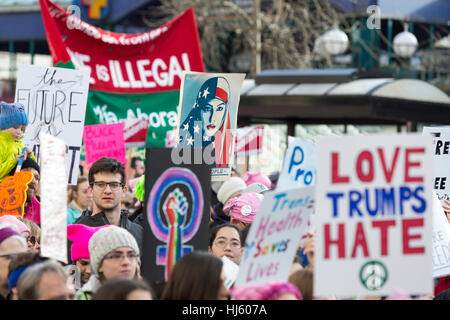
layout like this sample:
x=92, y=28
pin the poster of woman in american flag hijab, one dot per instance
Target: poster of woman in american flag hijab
x=207, y=116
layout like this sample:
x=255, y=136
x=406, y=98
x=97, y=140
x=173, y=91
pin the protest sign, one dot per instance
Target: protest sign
x=299, y=167
x=104, y=140
x=135, y=132
x=441, y=158
x=249, y=141
x=176, y=212
x=53, y=198
x=207, y=117
x=132, y=75
x=441, y=241
x=373, y=215
x=13, y=193
x=231, y=271
x=274, y=235
x=55, y=103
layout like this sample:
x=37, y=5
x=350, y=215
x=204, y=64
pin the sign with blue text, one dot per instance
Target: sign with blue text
x=299, y=167
x=274, y=236
x=373, y=215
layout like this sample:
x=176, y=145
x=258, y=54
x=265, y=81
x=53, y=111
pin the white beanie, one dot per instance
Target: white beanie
x=232, y=185
x=106, y=240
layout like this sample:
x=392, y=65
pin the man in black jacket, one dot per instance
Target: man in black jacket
x=107, y=184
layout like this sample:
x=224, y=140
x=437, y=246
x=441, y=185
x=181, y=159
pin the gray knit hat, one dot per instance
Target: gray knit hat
x=106, y=240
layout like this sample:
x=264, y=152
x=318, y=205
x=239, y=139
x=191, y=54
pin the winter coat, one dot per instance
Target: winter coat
x=9, y=149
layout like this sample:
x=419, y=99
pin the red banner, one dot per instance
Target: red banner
x=148, y=62
x=249, y=141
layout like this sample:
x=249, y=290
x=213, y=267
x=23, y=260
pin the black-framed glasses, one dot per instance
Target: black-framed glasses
x=120, y=255
x=31, y=239
x=222, y=243
x=114, y=185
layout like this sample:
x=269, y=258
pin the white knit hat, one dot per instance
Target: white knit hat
x=106, y=240
x=232, y=185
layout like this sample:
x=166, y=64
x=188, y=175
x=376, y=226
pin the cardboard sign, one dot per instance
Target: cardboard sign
x=373, y=215
x=441, y=149
x=13, y=193
x=104, y=140
x=299, y=167
x=207, y=117
x=441, y=241
x=274, y=235
x=249, y=141
x=176, y=212
x=55, y=102
x=53, y=198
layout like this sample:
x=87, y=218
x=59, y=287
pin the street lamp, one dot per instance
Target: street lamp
x=405, y=44
x=333, y=42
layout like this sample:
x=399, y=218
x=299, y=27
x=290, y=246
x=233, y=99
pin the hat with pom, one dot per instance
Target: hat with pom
x=253, y=177
x=11, y=115
x=244, y=208
x=80, y=235
x=108, y=239
x=232, y=185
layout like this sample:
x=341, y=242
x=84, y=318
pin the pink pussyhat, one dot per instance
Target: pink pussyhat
x=13, y=220
x=80, y=235
x=252, y=177
x=244, y=208
x=266, y=291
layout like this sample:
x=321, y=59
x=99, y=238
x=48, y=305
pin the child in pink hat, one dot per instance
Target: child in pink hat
x=80, y=235
x=253, y=177
x=242, y=209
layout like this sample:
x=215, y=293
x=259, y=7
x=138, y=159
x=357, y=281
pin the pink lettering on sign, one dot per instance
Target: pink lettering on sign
x=370, y=161
x=104, y=140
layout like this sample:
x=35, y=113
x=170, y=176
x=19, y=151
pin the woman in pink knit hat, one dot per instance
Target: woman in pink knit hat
x=242, y=209
x=275, y=290
x=257, y=177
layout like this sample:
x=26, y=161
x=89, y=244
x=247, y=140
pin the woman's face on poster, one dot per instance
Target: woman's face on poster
x=213, y=115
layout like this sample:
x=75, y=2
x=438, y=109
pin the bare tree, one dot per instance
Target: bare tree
x=228, y=31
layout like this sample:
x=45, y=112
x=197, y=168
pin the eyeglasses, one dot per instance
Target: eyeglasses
x=222, y=243
x=8, y=256
x=119, y=256
x=113, y=185
x=31, y=239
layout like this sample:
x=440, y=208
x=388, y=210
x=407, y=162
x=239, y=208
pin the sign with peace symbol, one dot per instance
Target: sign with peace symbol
x=373, y=275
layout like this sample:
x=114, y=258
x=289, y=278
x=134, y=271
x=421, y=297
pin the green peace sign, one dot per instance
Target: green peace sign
x=373, y=275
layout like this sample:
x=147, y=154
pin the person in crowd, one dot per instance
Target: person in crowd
x=206, y=283
x=107, y=184
x=80, y=235
x=79, y=199
x=443, y=295
x=124, y=289
x=21, y=227
x=242, y=209
x=32, y=205
x=257, y=177
x=303, y=280
x=307, y=252
x=13, y=123
x=273, y=290
x=11, y=244
x=34, y=240
x=233, y=187
x=127, y=203
x=19, y=263
x=225, y=240
x=139, y=193
x=113, y=253
x=45, y=281
x=137, y=168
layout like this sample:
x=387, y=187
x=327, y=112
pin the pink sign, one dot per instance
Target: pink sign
x=104, y=140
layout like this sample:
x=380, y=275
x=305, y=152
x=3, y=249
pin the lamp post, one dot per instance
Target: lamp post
x=405, y=44
x=331, y=43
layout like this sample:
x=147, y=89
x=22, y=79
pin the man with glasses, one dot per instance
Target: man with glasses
x=11, y=243
x=108, y=186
